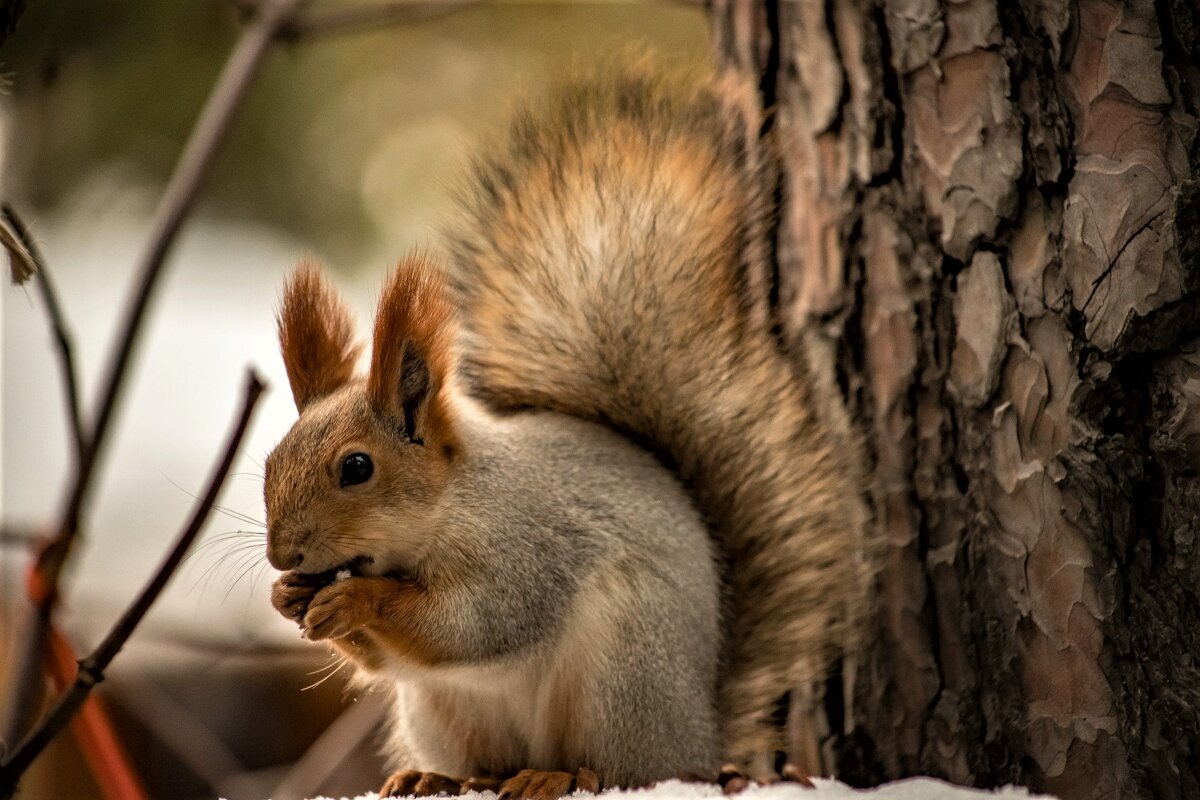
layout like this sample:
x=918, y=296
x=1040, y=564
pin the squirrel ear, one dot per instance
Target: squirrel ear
x=315, y=336
x=413, y=353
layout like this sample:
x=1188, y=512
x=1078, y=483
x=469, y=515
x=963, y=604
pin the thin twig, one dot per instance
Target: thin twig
x=367, y=16
x=62, y=336
x=91, y=669
x=178, y=198
x=20, y=262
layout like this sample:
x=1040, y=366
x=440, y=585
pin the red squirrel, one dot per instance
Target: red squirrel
x=581, y=517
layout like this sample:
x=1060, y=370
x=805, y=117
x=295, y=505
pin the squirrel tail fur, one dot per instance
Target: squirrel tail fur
x=609, y=266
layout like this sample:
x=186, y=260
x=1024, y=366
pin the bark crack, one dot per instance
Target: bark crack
x=768, y=89
x=1112, y=262
x=889, y=84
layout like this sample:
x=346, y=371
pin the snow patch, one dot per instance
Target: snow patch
x=826, y=789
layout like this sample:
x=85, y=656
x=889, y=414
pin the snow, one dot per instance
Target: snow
x=826, y=789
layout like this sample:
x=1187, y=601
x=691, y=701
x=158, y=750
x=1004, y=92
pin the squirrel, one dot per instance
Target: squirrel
x=584, y=517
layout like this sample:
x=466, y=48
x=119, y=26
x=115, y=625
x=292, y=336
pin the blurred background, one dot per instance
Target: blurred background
x=343, y=150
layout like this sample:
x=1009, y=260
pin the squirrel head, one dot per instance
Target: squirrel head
x=356, y=482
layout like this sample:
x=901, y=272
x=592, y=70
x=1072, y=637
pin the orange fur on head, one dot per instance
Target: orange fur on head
x=412, y=356
x=315, y=336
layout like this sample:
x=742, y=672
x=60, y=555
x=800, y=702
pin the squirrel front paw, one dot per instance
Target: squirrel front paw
x=338, y=610
x=291, y=595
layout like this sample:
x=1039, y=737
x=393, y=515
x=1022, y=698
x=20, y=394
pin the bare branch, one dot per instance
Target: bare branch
x=180, y=194
x=26, y=691
x=367, y=17
x=21, y=265
x=177, y=200
x=91, y=669
x=62, y=336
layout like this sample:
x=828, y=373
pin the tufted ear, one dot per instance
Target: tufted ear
x=315, y=336
x=413, y=354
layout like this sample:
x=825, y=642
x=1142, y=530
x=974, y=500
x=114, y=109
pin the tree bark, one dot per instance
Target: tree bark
x=989, y=212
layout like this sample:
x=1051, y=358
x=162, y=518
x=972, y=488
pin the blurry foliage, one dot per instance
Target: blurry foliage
x=347, y=141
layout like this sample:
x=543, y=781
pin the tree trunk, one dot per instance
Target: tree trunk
x=989, y=211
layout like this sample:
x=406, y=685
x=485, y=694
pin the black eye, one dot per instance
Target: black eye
x=357, y=468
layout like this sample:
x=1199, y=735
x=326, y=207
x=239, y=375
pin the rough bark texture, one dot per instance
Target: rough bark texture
x=991, y=208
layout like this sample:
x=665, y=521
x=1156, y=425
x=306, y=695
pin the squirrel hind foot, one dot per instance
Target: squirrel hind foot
x=415, y=783
x=532, y=784
x=488, y=784
x=734, y=780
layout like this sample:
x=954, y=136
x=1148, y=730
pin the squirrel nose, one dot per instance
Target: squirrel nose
x=284, y=556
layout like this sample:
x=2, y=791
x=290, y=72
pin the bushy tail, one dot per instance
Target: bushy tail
x=607, y=264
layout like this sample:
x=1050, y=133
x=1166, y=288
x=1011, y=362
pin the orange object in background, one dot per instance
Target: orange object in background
x=93, y=729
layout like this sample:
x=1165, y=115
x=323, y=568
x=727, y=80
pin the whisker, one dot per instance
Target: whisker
x=335, y=662
x=229, y=512
x=229, y=543
x=238, y=515
x=246, y=565
x=242, y=548
x=224, y=537
x=344, y=661
x=257, y=463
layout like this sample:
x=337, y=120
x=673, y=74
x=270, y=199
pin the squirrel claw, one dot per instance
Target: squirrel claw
x=481, y=785
x=420, y=784
x=796, y=774
x=587, y=781
x=734, y=780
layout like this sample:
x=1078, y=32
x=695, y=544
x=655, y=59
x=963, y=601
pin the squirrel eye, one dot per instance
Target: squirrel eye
x=356, y=468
